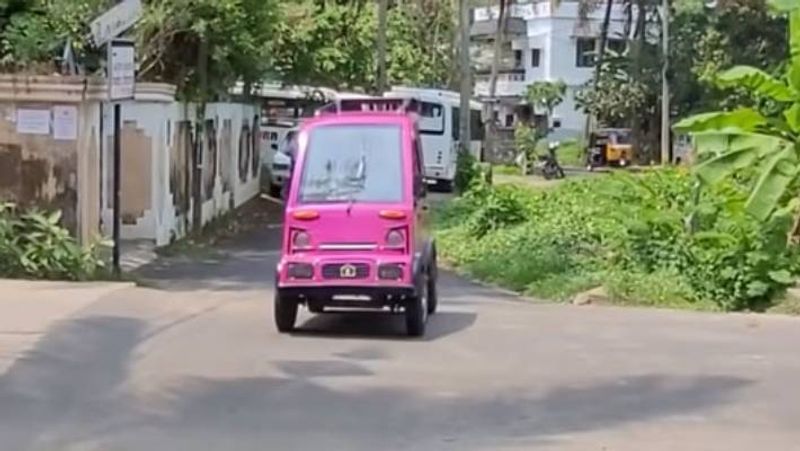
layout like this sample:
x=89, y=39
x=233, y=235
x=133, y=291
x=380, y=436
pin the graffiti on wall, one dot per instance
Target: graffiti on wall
x=209, y=158
x=179, y=166
x=255, y=154
x=245, y=151
x=225, y=155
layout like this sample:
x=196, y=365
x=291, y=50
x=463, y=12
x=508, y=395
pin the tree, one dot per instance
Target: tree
x=33, y=33
x=499, y=38
x=729, y=141
x=547, y=95
x=235, y=35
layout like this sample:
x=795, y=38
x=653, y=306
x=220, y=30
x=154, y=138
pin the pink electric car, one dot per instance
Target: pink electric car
x=355, y=231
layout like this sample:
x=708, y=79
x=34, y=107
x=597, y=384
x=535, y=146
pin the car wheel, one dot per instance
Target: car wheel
x=275, y=191
x=285, y=312
x=416, y=312
x=433, y=297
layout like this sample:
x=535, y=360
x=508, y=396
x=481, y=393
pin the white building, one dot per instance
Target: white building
x=542, y=44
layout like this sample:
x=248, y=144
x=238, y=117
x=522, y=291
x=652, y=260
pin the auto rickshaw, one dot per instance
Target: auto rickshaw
x=609, y=147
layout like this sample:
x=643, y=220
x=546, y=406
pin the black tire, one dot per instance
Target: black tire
x=433, y=294
x=275, y=191
x=561, y=174
x=285, y=313
x=444, y=186
x=416, y=312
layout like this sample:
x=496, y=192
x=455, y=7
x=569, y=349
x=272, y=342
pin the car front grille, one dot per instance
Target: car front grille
x=353, y=271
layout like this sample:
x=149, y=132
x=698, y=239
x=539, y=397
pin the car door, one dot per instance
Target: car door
x=422, y=224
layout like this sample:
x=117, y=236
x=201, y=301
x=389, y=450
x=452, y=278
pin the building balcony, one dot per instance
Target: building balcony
x=487, y=29
x=506, y=86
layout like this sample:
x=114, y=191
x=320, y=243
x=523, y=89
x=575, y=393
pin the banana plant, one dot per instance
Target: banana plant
x=728, y=141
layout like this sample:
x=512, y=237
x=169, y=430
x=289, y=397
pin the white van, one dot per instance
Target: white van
x=439, y=126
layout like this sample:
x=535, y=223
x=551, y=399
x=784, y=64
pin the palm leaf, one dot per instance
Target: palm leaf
x=777, y=173
x=757, y=81
x=737, y=152
x=737, y=121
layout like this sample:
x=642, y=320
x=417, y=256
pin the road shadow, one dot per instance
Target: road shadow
x=382, y=325
x=299, y=412
x=68, y=383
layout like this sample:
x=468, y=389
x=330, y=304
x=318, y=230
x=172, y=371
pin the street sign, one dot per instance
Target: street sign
x=115, y=21
x=121, y=70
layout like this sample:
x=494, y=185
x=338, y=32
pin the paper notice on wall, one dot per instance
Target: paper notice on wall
x=65, y=123
x=33, y=122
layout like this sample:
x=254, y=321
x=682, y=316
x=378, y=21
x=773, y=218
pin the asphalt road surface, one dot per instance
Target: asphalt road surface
x=194, y=363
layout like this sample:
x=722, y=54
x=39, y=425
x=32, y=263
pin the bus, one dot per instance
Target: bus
x=439, y=126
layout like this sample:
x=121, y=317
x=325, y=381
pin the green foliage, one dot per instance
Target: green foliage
x=33, y=244
x=467, y=172
x=526, y=140
x=34, y=32
x=730, y=141
x=333, y=43
x=236, y=36
x=497, y=208
x=546, y=94
x=651, y=239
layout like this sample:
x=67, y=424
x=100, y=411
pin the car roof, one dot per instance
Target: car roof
x=360, y=117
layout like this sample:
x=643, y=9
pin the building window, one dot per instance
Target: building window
x=536, y=56
x=517, y=58
x=585, y=49
x=617, y=46
x=509, y=120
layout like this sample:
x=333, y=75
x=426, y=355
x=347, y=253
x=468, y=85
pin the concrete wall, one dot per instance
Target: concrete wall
x=159, y=139
x=48, y=161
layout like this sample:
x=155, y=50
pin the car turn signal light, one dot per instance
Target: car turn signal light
x=305, y=215
x=392, y=214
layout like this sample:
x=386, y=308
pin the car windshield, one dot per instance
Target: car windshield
x=353, y=163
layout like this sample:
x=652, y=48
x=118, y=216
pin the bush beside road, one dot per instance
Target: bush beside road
x=650, y=239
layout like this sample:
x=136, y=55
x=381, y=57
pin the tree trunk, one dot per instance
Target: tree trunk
x=601, y=53
x=383, y=6
x=638, y=74
x=499, y=36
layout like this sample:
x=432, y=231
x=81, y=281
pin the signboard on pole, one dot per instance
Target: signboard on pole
x=121, y=70
x=115, y=21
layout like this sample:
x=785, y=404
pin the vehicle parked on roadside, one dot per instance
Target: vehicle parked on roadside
x=355, y=230
x=439, y=126
x=609, y=147
x=548, y=164
x=282, y=163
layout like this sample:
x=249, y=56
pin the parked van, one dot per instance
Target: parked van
x=439, y=127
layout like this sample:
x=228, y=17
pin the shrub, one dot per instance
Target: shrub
x=467, y=171
x=34, y=244
x=651, y=239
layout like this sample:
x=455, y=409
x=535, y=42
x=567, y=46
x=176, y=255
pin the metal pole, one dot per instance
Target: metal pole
x=665, y=129
x=117, y=186
x=466, y=79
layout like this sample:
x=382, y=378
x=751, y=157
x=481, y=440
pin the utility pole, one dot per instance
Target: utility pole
x=665, y=107
x=466, y=76
x=383, y=7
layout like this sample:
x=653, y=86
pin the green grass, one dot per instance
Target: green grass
x=623, y=232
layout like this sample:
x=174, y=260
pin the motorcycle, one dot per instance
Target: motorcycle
x=548, y=164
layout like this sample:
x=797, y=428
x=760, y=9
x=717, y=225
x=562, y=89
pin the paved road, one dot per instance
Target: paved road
x=194, y=363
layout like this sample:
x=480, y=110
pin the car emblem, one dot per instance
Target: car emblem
x=347, y=271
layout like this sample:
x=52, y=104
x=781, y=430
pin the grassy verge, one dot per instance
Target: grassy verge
x=629, y=234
